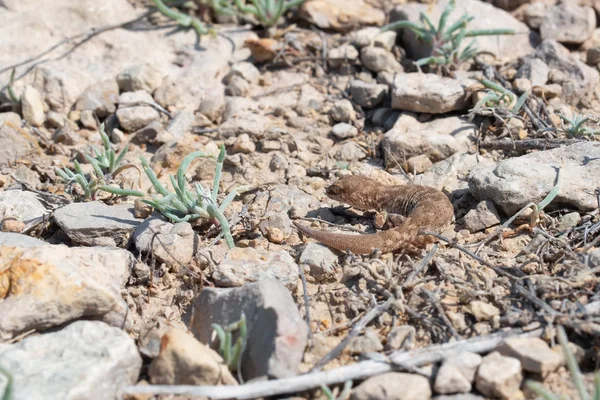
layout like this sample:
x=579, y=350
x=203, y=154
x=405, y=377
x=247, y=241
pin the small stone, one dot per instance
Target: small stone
x=569, y=220
x=568, y=23
x=347, y=151
x=548, y=91
x=132, y=114
x=499, y=376
x=243, y=144
x=173, y=244
x=341, y=15
x=534, y=14
x=534, y=354
x=32, y=106
x=21, y=205
x=321, y=261
x=100, y=98
x=117, y=136
x=237, y=86
x=19, y=240
x=483, y=216
x=244, y=265
x=245, y=70
x=457, y=373
x=401, y=337
x=385, y=40
x=87, y=119
x=535, y=70
x=393, y=386
x=523, y=85
x=273, y=323
x=73, y=362
x=83, y=222
x=367, y=94
x=139, y=77
x=418, y=164
x=593, y=56
x=483, y=311
x=181, y=125
x=12, y=225
x=428, y=93
x=343, y=131
x=342, y=111
x=343, y=55
x=364, y=37
x=378, y=59
x=55, y=119
x=141, y=271
x=366, y=343
x=185, y=361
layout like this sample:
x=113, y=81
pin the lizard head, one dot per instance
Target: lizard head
x=356, y=190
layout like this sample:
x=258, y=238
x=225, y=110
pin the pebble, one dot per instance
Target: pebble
x=569, y=220
x=343, y=55
x=534, y=354
x=378, y=59
x=365, y=343
x=367, y=94
x=321, y=261
x=483, y=216
x=32, y=106
x=343, y=131
x=183, y=360
x=393, y=386
x=273, y=323
x=243, y=144
x=457, y=373
x=100, y=97
x=140, y=77
x=483, y=311
x=134, y=117
x=428, y=93
x=568, y=23
x=245, y=70
x=499, y=376
x=535, y=70
x=418, y=164
x=342, y=111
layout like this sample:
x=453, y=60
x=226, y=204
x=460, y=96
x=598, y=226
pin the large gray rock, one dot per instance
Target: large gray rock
x=428, y=93
x=513, y=183
x=438, y=138
x=393, y=386
x=568, y=23
x=45, y=286
x=92, y=222
x=85, y=360
x=19, y=240
x=486, y=17
x=277, y=335
x=22, y=205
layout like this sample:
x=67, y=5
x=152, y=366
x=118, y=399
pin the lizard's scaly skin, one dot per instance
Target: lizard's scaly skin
x=426, y=209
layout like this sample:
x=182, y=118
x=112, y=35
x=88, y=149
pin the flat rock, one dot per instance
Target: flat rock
x=428, y=93
x=438, y=138
x=513, y=183
x=85, y=223
x=367, y=94
x=393, y=386
x=568, y=23
x=277, y=335
x=131, y=114
x=486, y=17
x=185, y=361
x=483, y=216
x=534, y=354
x=22, y=205
x=45, y=286
x=244, y=265
x=15, y=142
x=173, y=244
x=341, y=15
x=140, y=77
x=499, y=376
x=84, y=360
x=19, y=240
x=457, y=373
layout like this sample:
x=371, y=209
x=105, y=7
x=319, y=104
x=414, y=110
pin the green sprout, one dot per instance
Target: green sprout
x=182, y=19
x=185, y=205
x=576, y=374
x=343, y=395
x=106, y=166
x=446, y=41
x=9, y=385
x=577, y=128
x=232, y=353
x=267, y=12
x=498, y=96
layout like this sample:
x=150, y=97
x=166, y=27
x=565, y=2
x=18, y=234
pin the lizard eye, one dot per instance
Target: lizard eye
x=334, y=190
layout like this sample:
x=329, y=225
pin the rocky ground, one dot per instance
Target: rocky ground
x=103, y=297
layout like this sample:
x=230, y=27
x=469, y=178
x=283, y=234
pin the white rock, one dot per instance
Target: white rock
x=393, y=386
x=428, y=93
x=32, y=106
x=534, y=354
x=499, y=376
x=568, y=23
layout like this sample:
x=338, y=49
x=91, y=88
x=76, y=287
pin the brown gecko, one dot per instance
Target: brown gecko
x=410, y=209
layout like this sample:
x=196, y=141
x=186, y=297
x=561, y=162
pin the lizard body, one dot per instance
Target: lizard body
x=424, y=208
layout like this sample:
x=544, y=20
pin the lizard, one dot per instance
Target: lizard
x=410, y=209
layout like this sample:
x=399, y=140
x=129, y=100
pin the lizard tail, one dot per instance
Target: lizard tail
x=385, y=241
